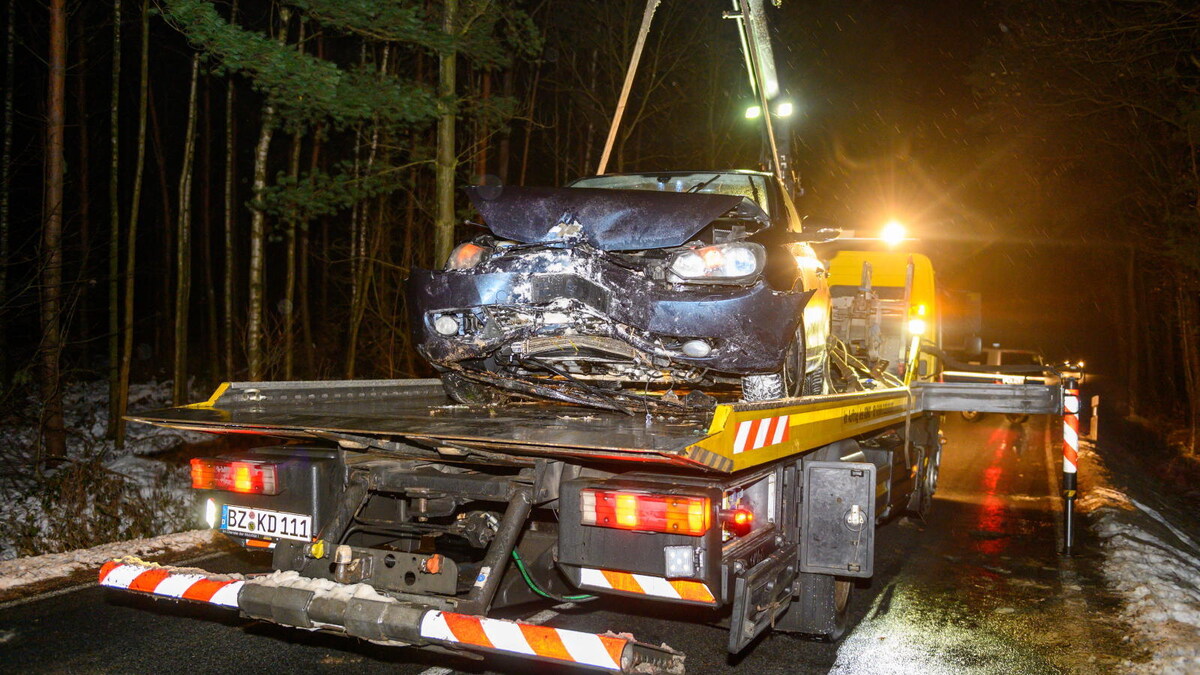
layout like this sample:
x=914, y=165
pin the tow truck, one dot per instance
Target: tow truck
x=393, y=514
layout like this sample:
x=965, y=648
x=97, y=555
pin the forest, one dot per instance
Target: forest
x=210, y=190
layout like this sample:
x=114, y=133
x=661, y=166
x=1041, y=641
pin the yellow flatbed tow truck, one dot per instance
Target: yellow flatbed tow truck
x=395, y=515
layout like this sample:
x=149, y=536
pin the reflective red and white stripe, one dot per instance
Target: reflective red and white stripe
x=162, y=581
x=1070, y=431
x=645, y=584
x=755, y=434
x=558, y=644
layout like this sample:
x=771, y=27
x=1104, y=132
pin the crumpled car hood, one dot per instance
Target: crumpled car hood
x=610, y=220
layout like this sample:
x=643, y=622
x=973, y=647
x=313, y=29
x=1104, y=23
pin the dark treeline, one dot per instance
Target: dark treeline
x=203, y=190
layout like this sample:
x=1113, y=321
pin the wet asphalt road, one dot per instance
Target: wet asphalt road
x=978, y=588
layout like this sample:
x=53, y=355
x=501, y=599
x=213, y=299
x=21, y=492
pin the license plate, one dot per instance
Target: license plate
x=264, y=523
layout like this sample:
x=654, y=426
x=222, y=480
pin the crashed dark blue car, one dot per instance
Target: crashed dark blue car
x=622, y=291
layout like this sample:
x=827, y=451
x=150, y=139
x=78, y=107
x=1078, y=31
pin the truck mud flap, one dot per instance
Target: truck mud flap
x=358, y=610
x=760, y=596
x=838, y=519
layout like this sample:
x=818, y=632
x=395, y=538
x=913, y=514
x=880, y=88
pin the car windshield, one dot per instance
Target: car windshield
x=751, y=186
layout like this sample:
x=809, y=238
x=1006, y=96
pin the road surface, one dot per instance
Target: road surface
x=978, y=588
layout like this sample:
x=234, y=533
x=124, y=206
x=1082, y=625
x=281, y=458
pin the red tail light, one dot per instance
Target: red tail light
x=737, y=521
x=673, y=514
x=245, y=476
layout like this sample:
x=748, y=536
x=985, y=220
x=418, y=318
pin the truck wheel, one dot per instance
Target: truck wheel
x=470, y=392
x=821, y=611
x=1016, y=419
x=972, y=415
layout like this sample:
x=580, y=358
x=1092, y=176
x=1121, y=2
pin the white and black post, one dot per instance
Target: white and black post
x=1070, y=461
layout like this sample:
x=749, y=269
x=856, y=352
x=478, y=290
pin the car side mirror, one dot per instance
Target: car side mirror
x=816, y=236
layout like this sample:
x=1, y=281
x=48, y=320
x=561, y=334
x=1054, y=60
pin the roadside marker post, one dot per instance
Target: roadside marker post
x=1070, y=461
x=1094, y=421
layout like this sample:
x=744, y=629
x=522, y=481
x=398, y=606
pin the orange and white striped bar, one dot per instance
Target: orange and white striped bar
x=645, y=584
x=755, y=434
x=1071, y=431
x=150, y=578
x=606, y=652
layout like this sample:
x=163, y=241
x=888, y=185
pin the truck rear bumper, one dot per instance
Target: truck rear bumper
x=359, y=611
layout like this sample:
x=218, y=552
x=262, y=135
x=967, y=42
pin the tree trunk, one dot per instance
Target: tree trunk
x=258, y=243
x=1131, y=321
x=230, y=220
x=306, y=333
x=5, y=184
x=289, y=286
x=481, y=158
x=446, y=158
x=206, y=250
x=183, y=246
x=85, y=203
x=255, y=297
x=1188, y=337
x=53, y=435
x=131, y=234
x=162, y=328
x=114, y=228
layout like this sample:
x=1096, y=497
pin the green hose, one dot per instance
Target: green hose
x=537, y=589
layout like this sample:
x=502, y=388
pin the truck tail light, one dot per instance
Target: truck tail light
x=737, y=521
x=244, y=476
x=673, y=514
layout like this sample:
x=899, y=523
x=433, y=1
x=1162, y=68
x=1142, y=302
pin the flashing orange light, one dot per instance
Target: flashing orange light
x=673, y=514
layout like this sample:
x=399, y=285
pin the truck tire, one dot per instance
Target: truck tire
x=470, y=392
x=821, y=610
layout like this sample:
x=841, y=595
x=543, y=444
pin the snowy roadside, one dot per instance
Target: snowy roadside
x=100, y=494
x=37, y=570
x=1152, y=563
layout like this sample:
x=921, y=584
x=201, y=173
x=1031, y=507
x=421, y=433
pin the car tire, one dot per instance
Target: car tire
x=972, y=415
x=469, y=392
x=1015, y=418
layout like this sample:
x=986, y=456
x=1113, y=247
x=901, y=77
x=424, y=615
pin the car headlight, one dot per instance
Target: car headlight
x=465, y=256
x=722, y=262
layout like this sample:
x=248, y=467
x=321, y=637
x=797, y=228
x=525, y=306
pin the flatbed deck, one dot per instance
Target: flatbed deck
x=730, y=438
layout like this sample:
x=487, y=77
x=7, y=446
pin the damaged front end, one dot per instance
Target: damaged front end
x=599, y=296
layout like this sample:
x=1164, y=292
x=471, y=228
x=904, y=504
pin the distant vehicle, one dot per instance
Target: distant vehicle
x=1071, y=370
x=1001, y=359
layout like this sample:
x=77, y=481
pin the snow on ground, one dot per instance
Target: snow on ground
x=36, y=569
x=100, y=494
x=1155, y=566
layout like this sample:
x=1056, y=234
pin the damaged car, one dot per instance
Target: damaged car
x=630, y=291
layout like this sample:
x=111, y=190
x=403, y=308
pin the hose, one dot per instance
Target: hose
x=537, y=589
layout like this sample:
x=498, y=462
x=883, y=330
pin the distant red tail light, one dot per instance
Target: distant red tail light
x=673, y=514
x=244, y=476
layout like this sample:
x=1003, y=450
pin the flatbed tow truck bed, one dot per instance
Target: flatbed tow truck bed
x=728, y=439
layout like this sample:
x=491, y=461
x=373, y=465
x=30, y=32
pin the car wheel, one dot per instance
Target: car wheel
x=972, y=415
x=470, y=392
x=1016, y=419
